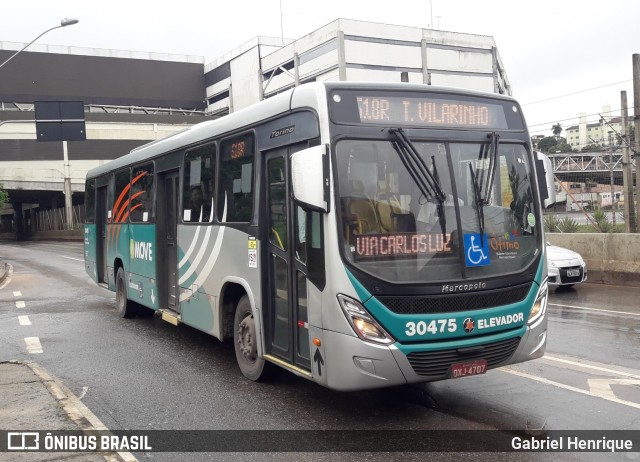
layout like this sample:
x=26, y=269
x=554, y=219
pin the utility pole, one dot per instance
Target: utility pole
x=636, y=123
x=611, y=164
x=627, y=170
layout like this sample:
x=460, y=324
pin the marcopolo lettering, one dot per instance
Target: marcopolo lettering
x=447, y=288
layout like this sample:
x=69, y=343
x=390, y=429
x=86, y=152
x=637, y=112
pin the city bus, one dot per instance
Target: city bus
x=359, y=235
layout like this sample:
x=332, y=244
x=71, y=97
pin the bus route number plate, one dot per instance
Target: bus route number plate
x=465, y=369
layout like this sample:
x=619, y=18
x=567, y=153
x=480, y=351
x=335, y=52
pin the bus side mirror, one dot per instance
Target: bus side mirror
x=310, y=178
x=546, y=182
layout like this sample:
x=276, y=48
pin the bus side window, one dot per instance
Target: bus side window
x=314, y=237
x=120, y=212
x=90, y=202
x=197, y=184
x=235, y=182
x=142, y=194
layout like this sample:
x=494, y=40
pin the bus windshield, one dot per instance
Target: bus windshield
x=402, y=232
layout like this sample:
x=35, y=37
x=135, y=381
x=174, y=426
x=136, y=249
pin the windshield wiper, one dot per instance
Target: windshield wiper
x=477, y=199
x=483, y=182
x=428, y=182
x=441, y=215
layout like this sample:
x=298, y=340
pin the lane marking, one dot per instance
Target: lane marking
x=33, y=345
x=24, y=320
x=595, y=394
x=71, y=258
x=17, y=293
x=20, y=304
x=84, y=392
x=589, y=366
x=603, y=386
x=595, y=309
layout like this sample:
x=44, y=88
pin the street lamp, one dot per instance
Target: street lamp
x=64, y=23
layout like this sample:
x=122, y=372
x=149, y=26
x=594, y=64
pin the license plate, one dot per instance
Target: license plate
x=573, y=273
x=466, y=369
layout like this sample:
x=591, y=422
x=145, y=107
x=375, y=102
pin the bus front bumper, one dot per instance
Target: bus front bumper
x=352, y=364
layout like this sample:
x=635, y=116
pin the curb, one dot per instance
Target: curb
x=3, y=271
x=75, y=409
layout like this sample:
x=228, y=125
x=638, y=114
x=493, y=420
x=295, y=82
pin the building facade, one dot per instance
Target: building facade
x=349, y=50
x=605, y=133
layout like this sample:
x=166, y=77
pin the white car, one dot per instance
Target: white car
x=565, y=266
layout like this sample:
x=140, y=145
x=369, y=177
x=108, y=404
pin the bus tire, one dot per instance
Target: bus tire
x=125, y=307
x=245, y=343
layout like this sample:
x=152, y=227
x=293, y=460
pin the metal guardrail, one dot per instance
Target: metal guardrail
x=110, y=109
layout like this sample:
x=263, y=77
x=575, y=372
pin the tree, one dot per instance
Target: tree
x=591, y=148
x=4, y=196
x=547, y=144
x=563, y=147
x=556, y=129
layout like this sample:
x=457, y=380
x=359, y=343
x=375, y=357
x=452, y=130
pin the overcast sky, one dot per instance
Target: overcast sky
x=549, y=48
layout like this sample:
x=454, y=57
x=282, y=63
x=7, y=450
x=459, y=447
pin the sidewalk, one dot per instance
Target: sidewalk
x=34, y=400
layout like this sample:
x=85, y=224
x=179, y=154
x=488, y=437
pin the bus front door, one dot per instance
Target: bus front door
x=166, y=240
x=287, y=335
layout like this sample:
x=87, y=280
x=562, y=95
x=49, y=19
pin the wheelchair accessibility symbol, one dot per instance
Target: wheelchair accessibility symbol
x=476, y=250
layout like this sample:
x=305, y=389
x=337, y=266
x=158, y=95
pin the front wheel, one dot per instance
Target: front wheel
x=246, y=346
x=126, y=308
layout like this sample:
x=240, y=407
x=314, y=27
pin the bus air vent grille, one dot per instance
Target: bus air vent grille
x=452, y=303
x=437, y=363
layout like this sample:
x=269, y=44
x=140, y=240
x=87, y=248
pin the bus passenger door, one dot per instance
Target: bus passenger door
x=101, y=233
x=285, y=319
x=166, y=240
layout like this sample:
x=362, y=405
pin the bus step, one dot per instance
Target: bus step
x=171, y=318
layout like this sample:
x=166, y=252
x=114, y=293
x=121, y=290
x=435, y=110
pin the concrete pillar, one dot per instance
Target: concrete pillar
x=19, y=220
x=342, y=59
x=68, y=203
x=426, y=76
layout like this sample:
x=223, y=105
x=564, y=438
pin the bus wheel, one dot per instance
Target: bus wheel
x=245, y=341
x=126, y=308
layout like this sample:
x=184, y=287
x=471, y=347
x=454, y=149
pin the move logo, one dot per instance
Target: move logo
x=141, y=250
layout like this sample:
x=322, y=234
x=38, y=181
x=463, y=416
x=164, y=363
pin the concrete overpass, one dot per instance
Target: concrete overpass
x=596, y=166
x=37, y=176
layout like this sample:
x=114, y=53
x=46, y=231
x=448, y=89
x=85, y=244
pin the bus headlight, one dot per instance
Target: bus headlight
x=362, y=322
x=540, y=306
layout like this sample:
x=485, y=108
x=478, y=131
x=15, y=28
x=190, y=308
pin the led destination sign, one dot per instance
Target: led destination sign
x=400, y=245
x=426, y=111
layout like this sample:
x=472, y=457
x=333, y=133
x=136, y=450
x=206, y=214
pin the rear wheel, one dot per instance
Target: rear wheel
x=246, y=344
x=125, y=307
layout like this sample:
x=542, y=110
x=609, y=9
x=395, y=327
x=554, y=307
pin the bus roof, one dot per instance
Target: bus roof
x=306, y=95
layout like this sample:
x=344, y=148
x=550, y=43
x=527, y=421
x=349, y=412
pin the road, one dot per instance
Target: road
x=147, y=374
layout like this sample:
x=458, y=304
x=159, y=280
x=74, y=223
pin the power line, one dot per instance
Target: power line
x=576, y=92
x=552, y=122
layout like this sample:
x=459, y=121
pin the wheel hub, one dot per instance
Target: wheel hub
x=247, y=337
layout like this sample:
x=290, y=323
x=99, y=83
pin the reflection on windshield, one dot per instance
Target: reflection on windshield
x=394, y=231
